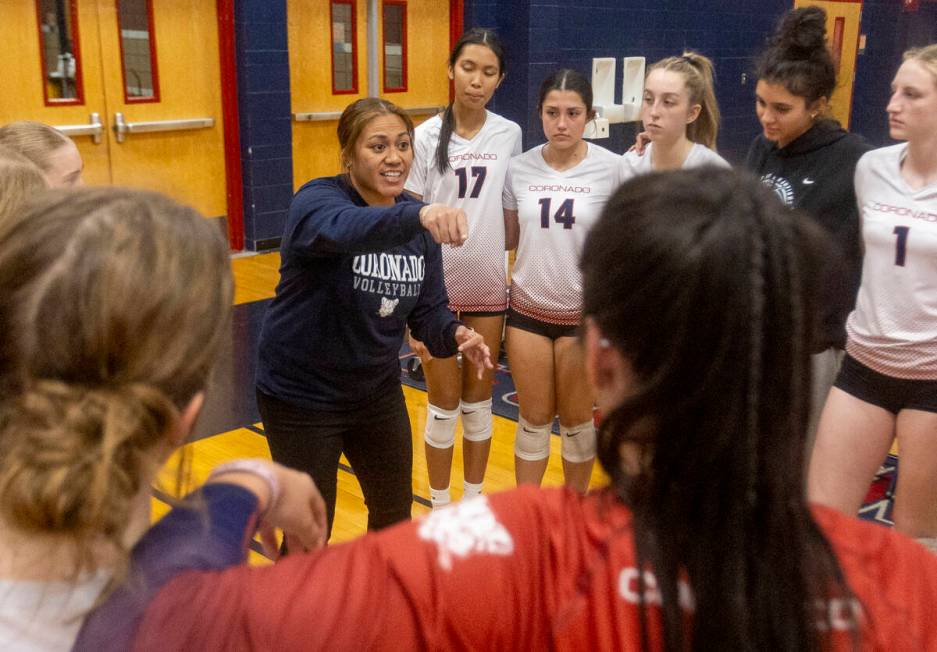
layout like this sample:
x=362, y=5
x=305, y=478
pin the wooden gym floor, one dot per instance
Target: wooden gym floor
x=229, y=427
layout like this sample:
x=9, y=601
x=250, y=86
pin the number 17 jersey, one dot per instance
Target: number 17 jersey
x=475, y=273
x=555, y=210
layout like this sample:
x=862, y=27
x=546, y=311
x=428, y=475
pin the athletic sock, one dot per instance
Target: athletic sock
x=439, y=497
x=470, y=490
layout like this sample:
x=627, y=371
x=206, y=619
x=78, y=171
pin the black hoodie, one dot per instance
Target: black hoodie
x=815, y=173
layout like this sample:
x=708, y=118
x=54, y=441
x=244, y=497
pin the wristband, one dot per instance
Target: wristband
x=253, y=467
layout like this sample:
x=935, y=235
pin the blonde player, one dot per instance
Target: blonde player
x=887, y=386
x=554, y=193
x=461, y=159
x=680, y=117
x=54, y=153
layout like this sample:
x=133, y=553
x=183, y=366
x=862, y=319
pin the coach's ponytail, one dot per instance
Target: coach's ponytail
x=475, y=36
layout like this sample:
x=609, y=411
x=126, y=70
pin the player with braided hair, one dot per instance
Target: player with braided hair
x=704, y=539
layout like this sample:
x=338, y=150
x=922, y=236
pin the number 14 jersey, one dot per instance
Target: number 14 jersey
x=555, y=211
x=893, y=329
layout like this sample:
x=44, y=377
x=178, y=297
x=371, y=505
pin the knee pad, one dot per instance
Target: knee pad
x=578, y=442
x=532, y=443
x=440, y=427
x=476, y=420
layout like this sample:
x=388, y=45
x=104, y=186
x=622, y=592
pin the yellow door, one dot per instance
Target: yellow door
x=25, y=87
x=166, y=142
x=843, y=18
x=187, y=160
x=320, y=30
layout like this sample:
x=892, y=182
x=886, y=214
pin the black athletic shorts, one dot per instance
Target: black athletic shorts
x=478, y=313
x=537, y=327
x=888, y=393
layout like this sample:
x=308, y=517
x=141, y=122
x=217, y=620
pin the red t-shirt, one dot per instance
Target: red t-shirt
x=503, y=572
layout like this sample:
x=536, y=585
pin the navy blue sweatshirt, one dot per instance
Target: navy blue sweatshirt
x=352, y=277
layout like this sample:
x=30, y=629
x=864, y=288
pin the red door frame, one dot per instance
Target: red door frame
x=234, y=189
x=456, y=27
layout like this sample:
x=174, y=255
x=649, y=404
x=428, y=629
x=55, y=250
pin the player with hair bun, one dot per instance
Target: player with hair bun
x=887, y=387
x=808, y=159
x=460, y=159
x=554, y=194
x=102, y=377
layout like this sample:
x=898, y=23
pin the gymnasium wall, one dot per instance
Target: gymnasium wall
x=543, y=35
x=889, y=31
x=550, y=36
x=265, y=122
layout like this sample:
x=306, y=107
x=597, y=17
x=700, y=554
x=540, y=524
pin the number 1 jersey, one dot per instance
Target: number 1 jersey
x=893, y=329
x=475, y=273
x=555, y=211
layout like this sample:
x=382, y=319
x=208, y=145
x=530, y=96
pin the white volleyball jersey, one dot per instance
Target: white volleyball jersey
x=893, y=329
x=634, y=164
x=555, y=211
x=475, y=273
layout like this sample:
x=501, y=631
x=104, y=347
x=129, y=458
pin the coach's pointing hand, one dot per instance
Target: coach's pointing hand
x=446, y=225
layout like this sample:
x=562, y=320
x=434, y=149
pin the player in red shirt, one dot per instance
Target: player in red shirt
x=700, y=298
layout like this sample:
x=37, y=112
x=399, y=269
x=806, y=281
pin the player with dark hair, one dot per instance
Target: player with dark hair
x=703, y=540
x=554, y=193
x=809, y=160
x=461, y=159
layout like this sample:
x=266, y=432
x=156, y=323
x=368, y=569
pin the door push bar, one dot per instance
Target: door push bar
x=94, y=128
x=122, y=127
x=335, y=115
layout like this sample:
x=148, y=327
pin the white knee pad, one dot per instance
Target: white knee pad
x=532, y=443
x=476, y=420
x=440, y=427
x=578, y=442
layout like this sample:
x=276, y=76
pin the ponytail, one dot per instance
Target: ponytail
x=445, y=133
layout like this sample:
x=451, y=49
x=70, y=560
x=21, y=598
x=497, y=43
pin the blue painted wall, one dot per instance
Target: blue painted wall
x=266, y=132
x=543, y=35
x=889, y=32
